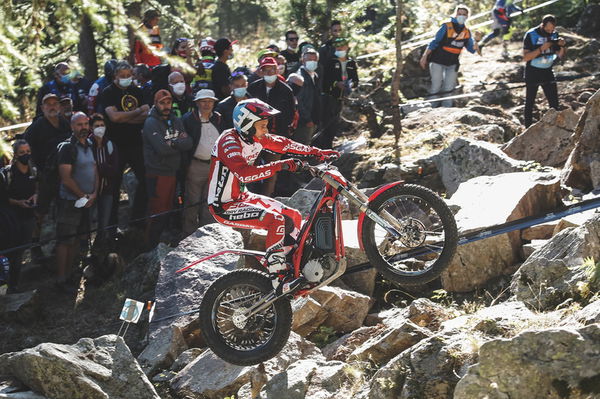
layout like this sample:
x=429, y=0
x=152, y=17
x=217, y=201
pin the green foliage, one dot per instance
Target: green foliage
x=323, y=336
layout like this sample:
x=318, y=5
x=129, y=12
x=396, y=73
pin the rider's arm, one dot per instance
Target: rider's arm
x=283, y=145
x=231, y=156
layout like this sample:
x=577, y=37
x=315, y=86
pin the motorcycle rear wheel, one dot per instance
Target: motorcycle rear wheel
x=248, y=342
x=428, y=237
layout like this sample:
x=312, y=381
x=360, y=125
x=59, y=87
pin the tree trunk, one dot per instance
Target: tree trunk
x=87, y=49
x=396, y=114
x=134, y=11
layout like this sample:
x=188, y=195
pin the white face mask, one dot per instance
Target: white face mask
x=125, y=82
x=311, y=65
x=340, y=53
x=178, y=88
x=461, y=19
x=99, y=131
x=270, y=78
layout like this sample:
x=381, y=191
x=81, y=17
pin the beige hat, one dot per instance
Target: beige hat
x=205, y=93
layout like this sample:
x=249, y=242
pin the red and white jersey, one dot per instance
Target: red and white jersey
x=232, y=163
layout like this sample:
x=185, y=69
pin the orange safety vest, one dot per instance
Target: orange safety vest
x=455, y=42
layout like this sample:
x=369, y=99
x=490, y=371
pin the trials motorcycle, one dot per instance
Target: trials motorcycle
x=407, y=232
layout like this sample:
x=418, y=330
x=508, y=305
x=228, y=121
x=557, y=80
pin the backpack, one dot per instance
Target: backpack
x=51, y=176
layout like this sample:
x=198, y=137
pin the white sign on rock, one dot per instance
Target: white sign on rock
x=132, y=310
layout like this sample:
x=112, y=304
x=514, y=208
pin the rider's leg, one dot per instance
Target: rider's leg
x=259, y=212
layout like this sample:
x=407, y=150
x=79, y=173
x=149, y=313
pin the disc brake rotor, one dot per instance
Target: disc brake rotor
x=413, y=233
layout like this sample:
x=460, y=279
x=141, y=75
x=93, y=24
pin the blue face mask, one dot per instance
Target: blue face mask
x=340, y=54
x=311, y=65
x=461, y=19
x=66, y=79
x=125, y=82
x=239, y=92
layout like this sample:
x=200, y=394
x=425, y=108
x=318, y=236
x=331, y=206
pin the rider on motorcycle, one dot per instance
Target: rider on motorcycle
x=232, y=167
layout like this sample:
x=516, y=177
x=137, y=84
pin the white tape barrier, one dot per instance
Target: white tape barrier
x=13, y=127
x=431, y=35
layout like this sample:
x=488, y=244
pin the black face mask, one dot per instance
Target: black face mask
x=24, y=159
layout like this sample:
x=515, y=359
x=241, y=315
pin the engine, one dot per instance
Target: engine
x=320, y=269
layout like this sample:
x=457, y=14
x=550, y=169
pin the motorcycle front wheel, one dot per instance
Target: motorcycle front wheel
x=237, y=340
x=424, y=238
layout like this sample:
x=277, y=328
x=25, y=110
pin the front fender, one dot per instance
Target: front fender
x=376, y=193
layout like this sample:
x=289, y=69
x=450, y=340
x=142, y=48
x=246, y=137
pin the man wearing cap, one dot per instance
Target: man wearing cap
x=66, y=107
x=60, y=85
x=77, y=193
x=291, y=55
x=239, y=92
x=165, y=142
x=339, y=78
x=43, y=136
x=221, y=71
x=203, y=126
x=278, y=95
x=327, y=50
x=261, y=54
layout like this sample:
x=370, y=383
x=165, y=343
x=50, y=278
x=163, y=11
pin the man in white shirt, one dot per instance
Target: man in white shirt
x=203, y=125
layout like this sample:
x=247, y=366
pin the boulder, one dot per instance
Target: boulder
x=362, y=282
x=554, y=363
x=490, y=133
x=181, y=293
x=505, y=319
x=465, y=159
x=589, y=21
x=474, y=116
x=534, y=245
x=208, y=376
x=589, y=314
x=162, y=350
x=425, y=313
x=487, y=201
x=389, y=343
x=92, y=368
x=542, y=231
x=23, y=307
x=559, y=270
x=429, y=369
x=341, y=348
x=311, y=379
x=141, y=274
x=302, y=200
x=582, y=169
x=548, y=141
x=333, y=307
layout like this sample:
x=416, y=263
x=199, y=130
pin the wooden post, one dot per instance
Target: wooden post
x=396, y=114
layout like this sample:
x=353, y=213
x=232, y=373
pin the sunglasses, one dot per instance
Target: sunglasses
x=293, y=39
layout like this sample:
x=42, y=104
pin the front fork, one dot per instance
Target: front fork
x=385, y=220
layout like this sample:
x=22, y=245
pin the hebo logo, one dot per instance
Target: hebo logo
x=244, y=115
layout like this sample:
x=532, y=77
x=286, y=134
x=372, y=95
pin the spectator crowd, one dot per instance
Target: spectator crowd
x=159, y=117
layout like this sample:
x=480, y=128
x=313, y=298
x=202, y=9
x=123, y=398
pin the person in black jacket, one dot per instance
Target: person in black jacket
x=309, y=98
x=340, y=77
x=278, y=95
x=239, y=90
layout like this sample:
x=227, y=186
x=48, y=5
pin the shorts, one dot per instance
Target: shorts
x=71, y=222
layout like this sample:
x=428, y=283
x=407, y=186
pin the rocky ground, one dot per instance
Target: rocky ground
x=514, y=316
